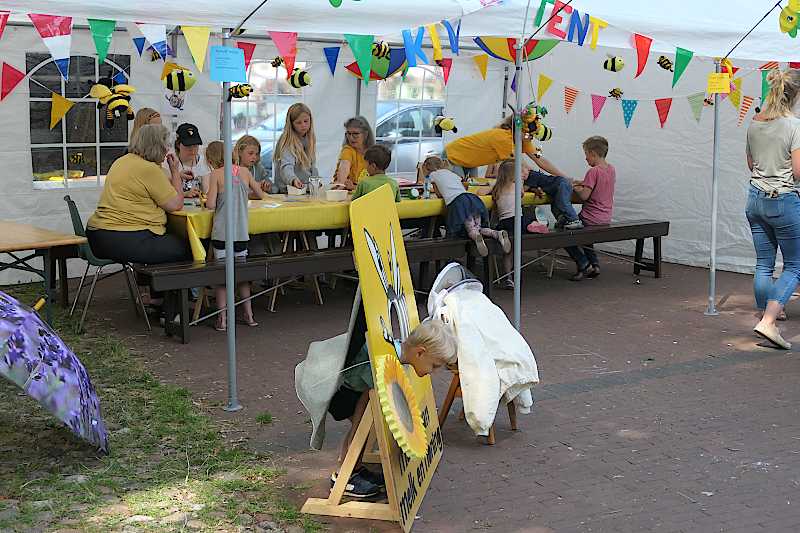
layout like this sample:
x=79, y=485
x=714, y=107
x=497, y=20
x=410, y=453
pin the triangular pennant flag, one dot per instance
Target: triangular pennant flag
x=682, y=58
x=598, y=101
x=197, y=39
x=120, y=78
x=770, y=65
x=446, y=64
x=570, y=94
x=662, y=106
x=361, y=47
x=453, y=35
x=736, y=93
x=794, y=64
x=514, y=83
x=332, y=55
x=3, y=20
x=56, y=32
x=139, y=43
x=482, y=62
x=747, y=101
x=156, y=35
x=286, y=43
x=628, y=107
x=764, y=85
x=436, y=43
x=248, y=49
x=59, y=107
x=697, y=104
x=102, y=31
x=544, y=84
x=642, y=44
x=10, y=79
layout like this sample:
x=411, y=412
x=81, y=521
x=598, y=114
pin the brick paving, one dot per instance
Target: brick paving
x=650, y=416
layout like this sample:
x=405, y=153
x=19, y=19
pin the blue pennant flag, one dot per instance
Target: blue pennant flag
x=332, y=55
x=139, y=42
x=120, y=77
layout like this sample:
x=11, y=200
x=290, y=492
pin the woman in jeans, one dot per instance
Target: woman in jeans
x=773, y=204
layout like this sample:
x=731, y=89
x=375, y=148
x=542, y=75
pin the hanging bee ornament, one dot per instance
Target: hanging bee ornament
x=708, y=102
x=614, y=63
x=543, y=133
x=616, y=92
x=242, y=90
x=299, y=79
x=116, y=99
x=665, y=63
x=277, y=62
x=381, y=49
x=76, y=158
x=789, y=18
x=178, y=80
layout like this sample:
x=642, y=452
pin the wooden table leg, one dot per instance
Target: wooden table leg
x=64, y=280
x=512, y=415
x=49, y=282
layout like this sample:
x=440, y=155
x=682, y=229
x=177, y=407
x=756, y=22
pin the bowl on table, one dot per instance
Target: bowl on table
x=294, y=191
x=336, y=195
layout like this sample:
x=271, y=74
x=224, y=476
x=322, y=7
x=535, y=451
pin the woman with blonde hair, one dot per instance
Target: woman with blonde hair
x=295, y=151
x=352, y=166
x=773, y=205
x=247, y=153
x=146, y=115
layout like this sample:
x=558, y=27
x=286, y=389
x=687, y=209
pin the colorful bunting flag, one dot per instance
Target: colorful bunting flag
x=286, y=43
x=598, y=101
x=642, y=44
x=482, y=62
x=662, y=106
x=446, y=64
x=628, y=107
x=453, y=35
x=747, y=101
x=156, y=35
x=10, y=79
x=570, y=95
x=197, y=39
x=102, y=31
x=120, y=77
x=56, y=32
x=332, y=55
x=736, y=93
x=770, y=65
x=139, y=43
x=544, y=84
x=3, y=20
x=58, y=108
x=764, y=84
x=514, y=83
x=436, y=43
x=248, y=49
x=794, y=64
x=682, y=58
x=696, y=102
x=414, y=47
x=361, y=47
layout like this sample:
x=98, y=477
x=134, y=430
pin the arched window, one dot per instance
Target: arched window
x=78, y=148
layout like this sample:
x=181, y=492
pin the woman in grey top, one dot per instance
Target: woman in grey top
x=773, y=204
x=295, y=152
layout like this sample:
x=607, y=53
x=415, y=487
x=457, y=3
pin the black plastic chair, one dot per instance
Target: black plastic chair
x=85, y=253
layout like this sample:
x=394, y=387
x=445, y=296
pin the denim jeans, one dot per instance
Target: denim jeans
x=583, y=256
x=558, y=188
x=774, y=223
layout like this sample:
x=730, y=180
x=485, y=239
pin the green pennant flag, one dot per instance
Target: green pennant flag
x=102, y=30
x=361, y=46
x=696, y=103
x=682, y=58
x=764, y=85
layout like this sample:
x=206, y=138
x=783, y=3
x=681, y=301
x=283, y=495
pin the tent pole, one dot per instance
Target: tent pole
x=230, y=284
x=711, y=310
x=518, y=189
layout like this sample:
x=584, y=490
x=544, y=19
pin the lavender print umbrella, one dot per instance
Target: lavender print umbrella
x=36, y=359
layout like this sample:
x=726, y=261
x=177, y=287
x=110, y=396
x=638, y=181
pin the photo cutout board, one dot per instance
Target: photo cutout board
x=406, y=415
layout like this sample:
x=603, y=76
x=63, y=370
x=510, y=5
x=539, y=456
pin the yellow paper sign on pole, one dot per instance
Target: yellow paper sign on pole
x=719, y=83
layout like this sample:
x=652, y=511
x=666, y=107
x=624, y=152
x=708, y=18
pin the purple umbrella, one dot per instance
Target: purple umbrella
x=38, y=361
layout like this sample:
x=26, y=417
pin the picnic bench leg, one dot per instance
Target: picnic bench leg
x=62, y=276
x=512, y=415
x=169, y=312
x=184, y=296
x=452, y=392
x=637, y=258
x=657, y=256
x=487, y=276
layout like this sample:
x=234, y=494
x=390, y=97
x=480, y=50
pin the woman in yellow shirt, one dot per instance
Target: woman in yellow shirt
x=352, y=167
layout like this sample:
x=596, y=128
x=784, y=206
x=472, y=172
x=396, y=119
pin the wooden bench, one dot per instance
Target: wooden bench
x=638, y=230
x=176, y=279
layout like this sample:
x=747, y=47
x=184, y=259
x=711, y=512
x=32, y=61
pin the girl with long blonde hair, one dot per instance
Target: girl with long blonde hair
x=295, y=152
x=146, y=115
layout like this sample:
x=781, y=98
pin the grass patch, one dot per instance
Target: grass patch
x=264, y=418
x=169, y=468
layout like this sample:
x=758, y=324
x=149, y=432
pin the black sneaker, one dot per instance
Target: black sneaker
x=358, y=487
x=373, y=477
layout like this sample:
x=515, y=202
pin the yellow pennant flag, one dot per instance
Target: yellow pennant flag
x=544, y=84
x=482, y=62
x=736, y=95
x=59, y=107
x=435, y=42
x=197, y=39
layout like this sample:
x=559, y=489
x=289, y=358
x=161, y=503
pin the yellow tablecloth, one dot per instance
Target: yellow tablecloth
x=281, y=213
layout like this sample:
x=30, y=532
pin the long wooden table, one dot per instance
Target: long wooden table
x=51, y=246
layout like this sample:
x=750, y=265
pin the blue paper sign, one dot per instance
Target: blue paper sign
x=227, y=64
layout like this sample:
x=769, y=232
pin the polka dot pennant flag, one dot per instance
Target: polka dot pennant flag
x=628, y=107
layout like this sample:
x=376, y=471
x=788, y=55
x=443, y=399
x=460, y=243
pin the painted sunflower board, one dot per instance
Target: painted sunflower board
x=391, y=314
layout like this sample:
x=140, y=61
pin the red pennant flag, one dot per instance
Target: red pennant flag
x=570, y=95
x=248, y=49
x=3, y=19
x=446, y=64
x=10, y=79
x=663, y=105
x=642, y=44
x=286, y=43
x=794, y=64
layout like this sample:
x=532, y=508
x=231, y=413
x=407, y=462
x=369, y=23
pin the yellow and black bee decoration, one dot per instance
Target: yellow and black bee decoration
x=665, y=63
x=76, y=158
x=616, y=92
x=179, y=80
x=242, y=90
x=154, y=55
x=543, y=133
x=381, y=49
x=277, y=62
x=299, y=79
x=614, y=63
x=708, y=102
x=116, y=99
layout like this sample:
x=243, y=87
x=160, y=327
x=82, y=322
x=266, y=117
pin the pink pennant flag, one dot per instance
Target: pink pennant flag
x=3, y=20
x=11, y=78
x=598, y=101
x=56, y=32
x=248, y=49
x=286, y=43
x=570, y=94
x=662, y=106
x=747, y=101
x=446, y=64
x=642, y=44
